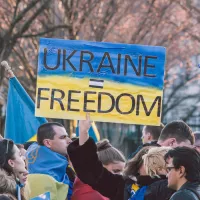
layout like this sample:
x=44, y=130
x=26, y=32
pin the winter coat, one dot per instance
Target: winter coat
x=188, y=191
x=152, y=189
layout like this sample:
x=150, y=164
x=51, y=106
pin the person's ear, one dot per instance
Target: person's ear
x=11, y=163
x=182, y=171
x=47, y=143
x=172, y=142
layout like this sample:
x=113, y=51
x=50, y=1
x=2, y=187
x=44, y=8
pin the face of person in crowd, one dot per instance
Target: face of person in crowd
x=116, y=167
x=18, y=163
x=175, y=176
x=60, y=141
x=146, y=137
x=172, y=142
x=22, y=176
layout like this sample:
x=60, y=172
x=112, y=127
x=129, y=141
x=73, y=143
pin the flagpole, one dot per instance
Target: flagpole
x=9, y=72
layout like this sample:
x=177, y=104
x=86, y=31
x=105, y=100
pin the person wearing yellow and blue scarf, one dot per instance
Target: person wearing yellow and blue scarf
x=48, y=167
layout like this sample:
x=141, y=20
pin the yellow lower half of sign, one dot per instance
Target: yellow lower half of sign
x=70, y=98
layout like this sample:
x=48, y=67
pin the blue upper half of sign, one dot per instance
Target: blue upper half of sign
x=138, y=65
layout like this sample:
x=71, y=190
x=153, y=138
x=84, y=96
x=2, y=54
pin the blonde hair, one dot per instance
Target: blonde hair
x=154, y=160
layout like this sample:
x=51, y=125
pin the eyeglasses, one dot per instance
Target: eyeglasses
x=169, y=169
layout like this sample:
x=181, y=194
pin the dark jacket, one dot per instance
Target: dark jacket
x=189, y=191
x=91, y=171
x=158, y=190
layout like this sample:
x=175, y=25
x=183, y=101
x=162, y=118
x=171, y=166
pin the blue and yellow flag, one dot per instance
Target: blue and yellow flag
x=45, y=196
x=21, y=124
x=49, y=174
x=93, y=132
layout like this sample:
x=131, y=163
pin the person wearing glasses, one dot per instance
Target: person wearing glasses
x=153, y=185
x=11, y=164
x=183, y=173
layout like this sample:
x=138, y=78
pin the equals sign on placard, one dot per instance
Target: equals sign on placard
x=96, y=83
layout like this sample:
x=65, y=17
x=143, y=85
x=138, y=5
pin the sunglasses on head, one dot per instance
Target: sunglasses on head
x=7, y=142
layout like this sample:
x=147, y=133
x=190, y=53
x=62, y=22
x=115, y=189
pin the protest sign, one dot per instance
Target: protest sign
x=121, y=83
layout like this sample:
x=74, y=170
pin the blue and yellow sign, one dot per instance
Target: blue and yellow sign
x=121, y=83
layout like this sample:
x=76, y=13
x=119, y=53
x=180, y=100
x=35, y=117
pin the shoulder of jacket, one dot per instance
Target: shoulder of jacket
x=184, y=194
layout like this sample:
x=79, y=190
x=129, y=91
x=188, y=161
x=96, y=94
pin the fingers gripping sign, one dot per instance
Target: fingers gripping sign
x=84, y=126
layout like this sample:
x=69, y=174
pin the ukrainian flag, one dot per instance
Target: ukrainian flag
x=21, y=124
x=49, y=174
x=93, y=132
x=45, y=196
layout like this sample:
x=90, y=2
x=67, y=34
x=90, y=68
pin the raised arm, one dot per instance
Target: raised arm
x=89, y=169
x=84, y=126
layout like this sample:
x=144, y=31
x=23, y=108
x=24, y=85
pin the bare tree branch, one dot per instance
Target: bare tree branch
x=44, y=32
x=30, y=20
x=15, y=11
x=22, y=14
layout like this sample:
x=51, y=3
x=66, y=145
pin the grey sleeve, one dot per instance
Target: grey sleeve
x=184, y=195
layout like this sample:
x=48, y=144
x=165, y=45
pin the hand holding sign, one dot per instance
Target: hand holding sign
x=84, y=126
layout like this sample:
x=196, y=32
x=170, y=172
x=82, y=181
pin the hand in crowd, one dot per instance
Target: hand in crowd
x=84, y=126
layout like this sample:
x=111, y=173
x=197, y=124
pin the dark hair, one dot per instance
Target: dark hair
x=134, y=164
x=155, y=131
x=6, y=153
x=107, y=153
x=188, y=158
x=179, y=130
x=28, y=144
x=46, y=131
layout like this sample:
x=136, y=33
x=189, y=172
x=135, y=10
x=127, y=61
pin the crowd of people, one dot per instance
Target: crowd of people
x=165, y=167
